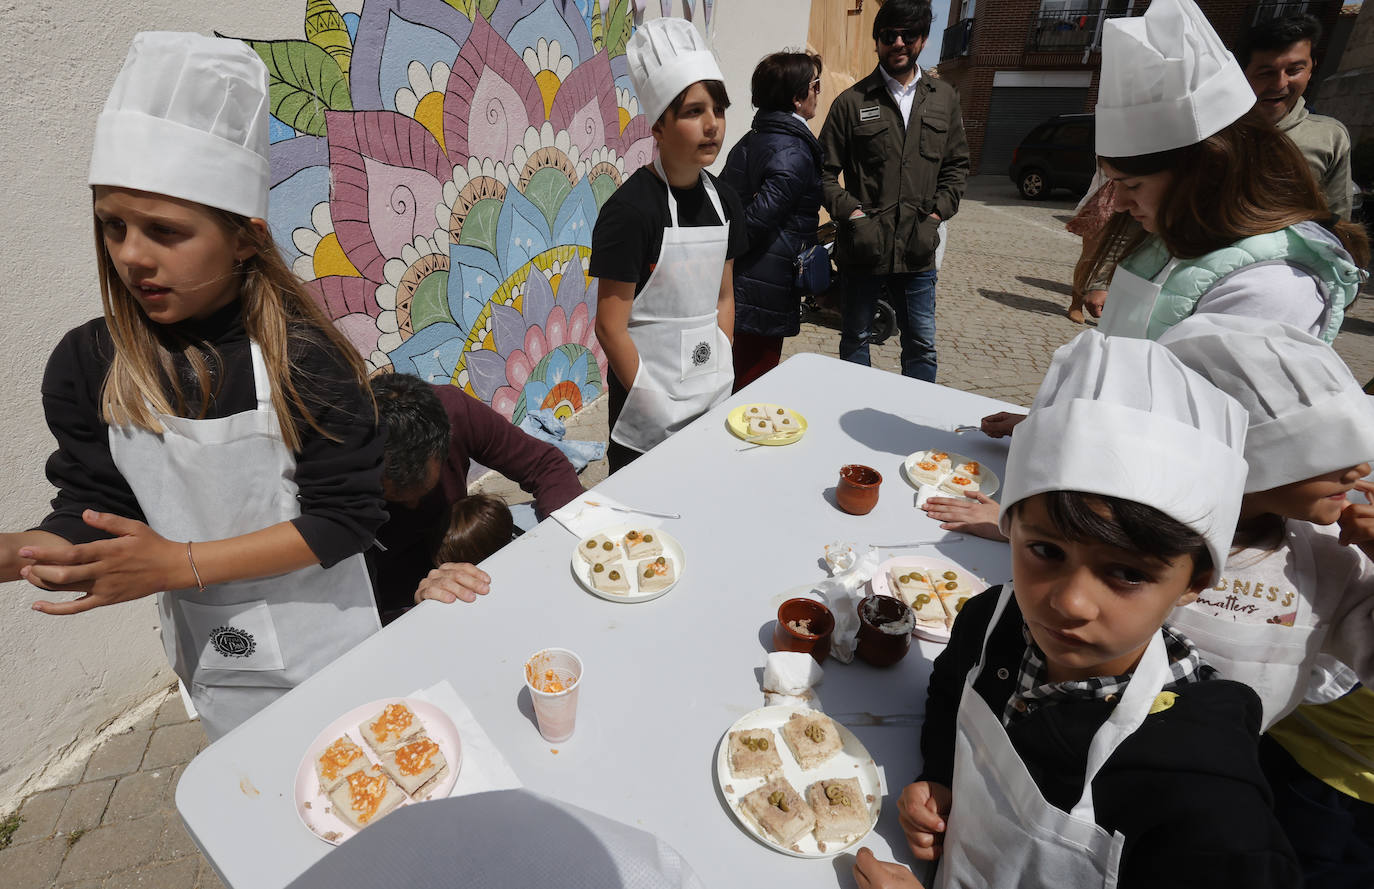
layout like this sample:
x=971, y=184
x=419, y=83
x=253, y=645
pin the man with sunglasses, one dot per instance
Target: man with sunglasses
x=897, y=138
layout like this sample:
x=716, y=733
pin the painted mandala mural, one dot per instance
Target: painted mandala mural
x=437, y=168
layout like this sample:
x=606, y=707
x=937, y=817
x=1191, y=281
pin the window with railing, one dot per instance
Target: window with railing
x=1069, y=25
x=1273, y=9
x=958, y=39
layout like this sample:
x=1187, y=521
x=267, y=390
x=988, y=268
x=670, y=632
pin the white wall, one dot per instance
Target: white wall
x=61, y=679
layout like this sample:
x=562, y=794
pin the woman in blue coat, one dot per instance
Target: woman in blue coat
x=775, y=169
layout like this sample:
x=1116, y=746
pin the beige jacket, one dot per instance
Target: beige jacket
x=1325, y=144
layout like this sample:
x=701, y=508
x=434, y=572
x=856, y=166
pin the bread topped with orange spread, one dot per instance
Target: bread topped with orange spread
x=388, y=729
x=339, y=760
x=656, y=574
x=642, y=544
x=365, y=796
x=417, y=766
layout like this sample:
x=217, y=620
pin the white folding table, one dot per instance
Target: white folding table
x=664, y=679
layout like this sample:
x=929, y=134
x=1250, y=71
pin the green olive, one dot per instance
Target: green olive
x=815, y=733
x=779, y=799
x=591, y=544
x=952, y=585
x=614, y=575
x=648, y=538
x=922, y=600
x=608, y=546
x=660, y=560
x=905, y=578
x=648, y=572
x=950, y=575
x=598, y=568
x=959, y=606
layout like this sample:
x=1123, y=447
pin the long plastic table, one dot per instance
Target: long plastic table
x=664, y=679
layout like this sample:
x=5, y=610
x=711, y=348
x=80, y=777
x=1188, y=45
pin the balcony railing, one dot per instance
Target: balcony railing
x=957, y=39
x=1068, y=30
x=1265, y=10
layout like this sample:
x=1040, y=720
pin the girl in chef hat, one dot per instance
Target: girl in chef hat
x=1297, y=594
x=1233, y=220
x=216, y=441
x=1071, y=737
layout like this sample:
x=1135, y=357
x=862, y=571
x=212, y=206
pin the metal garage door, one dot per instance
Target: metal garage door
x=1016, y=110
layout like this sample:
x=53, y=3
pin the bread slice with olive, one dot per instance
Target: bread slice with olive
x=610, y=577
x=655, y=574
x=642, y=544
x=598, y=549
x=812, y=738
x=778, y=811
x=841, y=810
x=754, y=753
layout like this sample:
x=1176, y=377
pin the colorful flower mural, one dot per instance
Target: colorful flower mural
x=438, y=166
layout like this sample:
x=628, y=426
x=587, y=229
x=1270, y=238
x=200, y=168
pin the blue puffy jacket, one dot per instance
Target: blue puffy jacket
x=776, y=171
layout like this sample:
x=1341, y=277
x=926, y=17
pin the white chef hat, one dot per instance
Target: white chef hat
x=187, y=117
x=1308, y=416
x=1167, y=81
x=665, y=56
x=1123, y=417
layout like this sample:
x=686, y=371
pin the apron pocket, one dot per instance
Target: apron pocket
x=239, y=637
x=699, y=351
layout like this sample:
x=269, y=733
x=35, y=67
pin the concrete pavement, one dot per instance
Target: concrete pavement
x=110, y=821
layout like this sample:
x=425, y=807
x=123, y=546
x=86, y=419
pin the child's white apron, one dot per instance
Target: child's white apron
x=240, y=645
x=685, y=361
x=1002, y=833
x=1131, y=302
x=1276, y=661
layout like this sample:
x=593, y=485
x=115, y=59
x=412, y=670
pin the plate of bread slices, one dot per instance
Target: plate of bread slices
x=628, y=563
x=372, y=760
x=799, y=782
x=935, y=588
x=952, y=473
x=766, y=424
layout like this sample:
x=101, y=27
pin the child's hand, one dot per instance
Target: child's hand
x=921, y=810
x=136, y=562
x=870, y=873
x=1000, y=424
x=1357, y=521
x=975, y=513
x=452, y=581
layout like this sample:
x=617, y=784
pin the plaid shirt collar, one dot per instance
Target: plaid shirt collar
x=1034, y=689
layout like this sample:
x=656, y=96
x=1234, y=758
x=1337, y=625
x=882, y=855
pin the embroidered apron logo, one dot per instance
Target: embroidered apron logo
x=701, y=354
x=233, y=642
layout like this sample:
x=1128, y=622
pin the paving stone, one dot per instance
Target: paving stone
x=82, y=884
x=172, y=711
x=175, y=842
x=112, y=849
x=173, y=745
x=40, y=814
x=85, y=806
x=140, y=794
x=120, y=755
x=32, y=865
x=180, y=874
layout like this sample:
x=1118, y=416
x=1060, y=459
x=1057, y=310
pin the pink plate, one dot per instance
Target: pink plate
x=315, y=809
x=880, y=586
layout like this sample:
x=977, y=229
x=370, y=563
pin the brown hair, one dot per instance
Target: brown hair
x=714, y=88
x=278, y=314
x=478, y=526
x=1248, y=179
x=782, y=78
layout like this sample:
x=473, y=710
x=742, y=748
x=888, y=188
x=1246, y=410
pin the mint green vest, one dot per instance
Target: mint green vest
x=1297, y=245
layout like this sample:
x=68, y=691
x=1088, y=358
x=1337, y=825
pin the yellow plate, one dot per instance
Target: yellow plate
x=740, y=427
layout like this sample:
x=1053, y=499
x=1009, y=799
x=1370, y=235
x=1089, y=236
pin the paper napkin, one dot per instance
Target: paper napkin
x=789, y=678
x=584, y=519
x=851, y=566
x=483, y=768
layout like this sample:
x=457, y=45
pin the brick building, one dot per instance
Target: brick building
x=1018, y=62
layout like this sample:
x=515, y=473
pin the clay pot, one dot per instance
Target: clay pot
x=857, y=491
x=885, y=625
x=822, y=623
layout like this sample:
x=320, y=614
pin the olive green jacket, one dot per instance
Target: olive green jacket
x=897, y=174
x=1325, y=145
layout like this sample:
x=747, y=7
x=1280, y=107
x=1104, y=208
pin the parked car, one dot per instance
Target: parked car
x=1056, y=154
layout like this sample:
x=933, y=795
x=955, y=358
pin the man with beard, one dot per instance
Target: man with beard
x=1277, y=58
x=897, y=137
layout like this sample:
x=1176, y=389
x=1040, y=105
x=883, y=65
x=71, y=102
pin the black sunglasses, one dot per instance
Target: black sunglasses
x=889, y=35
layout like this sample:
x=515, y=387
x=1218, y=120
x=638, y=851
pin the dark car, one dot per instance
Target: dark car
x=1056, y=154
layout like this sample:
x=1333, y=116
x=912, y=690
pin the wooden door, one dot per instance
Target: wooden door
x=841, y=31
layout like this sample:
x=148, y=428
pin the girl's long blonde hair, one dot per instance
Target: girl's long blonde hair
x=278, y=313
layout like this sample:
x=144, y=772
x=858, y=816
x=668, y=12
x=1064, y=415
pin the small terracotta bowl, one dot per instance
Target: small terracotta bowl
x=857, y=492
x=822, y=623
x=885, y=625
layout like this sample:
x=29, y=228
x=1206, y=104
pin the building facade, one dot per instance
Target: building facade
x=1019, y=62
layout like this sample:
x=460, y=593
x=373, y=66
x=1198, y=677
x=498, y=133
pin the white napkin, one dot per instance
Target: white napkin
x=788, y=679
x=584, y=519
x=850, y=569
x=483, y=767
x=925, y=492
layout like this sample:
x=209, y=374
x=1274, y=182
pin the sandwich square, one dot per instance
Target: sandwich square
x=597, y=549
x=642, y=544
x=365, y=796
x=840, y=807
x=416, y=766
x=754, y=753
x=611, y=579
x=812, y=738
x=778, y=811
x=339, y=760
x=656, y=574
x=388, y=729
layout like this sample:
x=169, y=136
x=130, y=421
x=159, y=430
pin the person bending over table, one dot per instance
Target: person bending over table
x=434, y=433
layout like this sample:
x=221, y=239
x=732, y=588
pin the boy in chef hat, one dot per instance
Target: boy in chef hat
x=1071, y=737
x=663, y=250
x=1297, y=597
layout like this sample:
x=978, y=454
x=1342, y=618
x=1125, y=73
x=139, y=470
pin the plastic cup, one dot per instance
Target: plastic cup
x=553, y=677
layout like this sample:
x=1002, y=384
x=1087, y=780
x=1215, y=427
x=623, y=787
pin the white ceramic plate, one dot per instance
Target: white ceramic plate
x=881, y=587
x=315, y=809
x=671, y=548
x=987, y=486
x=852, y=761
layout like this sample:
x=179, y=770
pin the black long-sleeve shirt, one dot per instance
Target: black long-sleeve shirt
x=339, y=482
